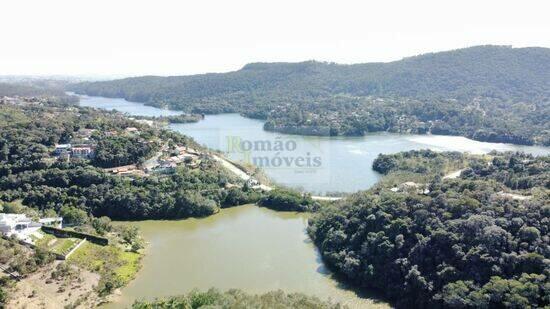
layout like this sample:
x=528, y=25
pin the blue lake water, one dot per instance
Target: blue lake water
x=315, y=164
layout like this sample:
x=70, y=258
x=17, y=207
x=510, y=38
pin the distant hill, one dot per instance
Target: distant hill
x=491, y=73
x=17, y=89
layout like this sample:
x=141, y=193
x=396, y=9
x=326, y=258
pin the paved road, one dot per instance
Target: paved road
x=244, y=176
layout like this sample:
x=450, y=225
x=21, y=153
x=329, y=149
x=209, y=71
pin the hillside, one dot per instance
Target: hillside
x=494, y=83
x=475, y=241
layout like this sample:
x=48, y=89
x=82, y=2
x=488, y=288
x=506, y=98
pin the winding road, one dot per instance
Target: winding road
x=244, y=176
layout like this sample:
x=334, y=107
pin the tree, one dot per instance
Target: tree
x=102, y=225
x=73, y=216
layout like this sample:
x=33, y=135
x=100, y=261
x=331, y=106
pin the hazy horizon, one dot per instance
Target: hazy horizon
x=133, y=38
x=115, y=76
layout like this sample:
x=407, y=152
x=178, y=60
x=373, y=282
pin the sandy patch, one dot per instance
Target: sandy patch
x=39, y=290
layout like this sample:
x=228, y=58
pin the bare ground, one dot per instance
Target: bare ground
x=39, y=290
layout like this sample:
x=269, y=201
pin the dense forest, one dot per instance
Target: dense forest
x=487, y=93
x=237, y=299
x=31, y=173
x=479, y=240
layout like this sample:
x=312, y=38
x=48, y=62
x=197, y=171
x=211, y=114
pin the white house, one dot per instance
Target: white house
x=12, y=223
x=84, y=151
x=23, y=226
x=59, y=148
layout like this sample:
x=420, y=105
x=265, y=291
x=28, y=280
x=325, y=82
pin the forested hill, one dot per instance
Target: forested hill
x=18, y=89
x=477, y=71
x=498, y=74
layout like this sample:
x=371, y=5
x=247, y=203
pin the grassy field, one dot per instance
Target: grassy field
x=107, y=259
x=57, y=245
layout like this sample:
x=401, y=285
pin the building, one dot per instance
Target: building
x=83, y=151
x=22, y=226
x=14, y=223
x=60, y=148
x=53, y=222
x=85, y=133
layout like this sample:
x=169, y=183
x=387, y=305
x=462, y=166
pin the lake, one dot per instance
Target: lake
x=257, y=249
x=319, y=165
x=246, y=247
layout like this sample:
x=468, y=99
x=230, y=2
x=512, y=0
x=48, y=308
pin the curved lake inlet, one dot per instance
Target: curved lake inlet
x=246, y=247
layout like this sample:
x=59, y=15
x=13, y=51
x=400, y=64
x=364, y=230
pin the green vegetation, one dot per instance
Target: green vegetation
x=487, y=93
x=421, y=162
x=56, y=245
x=462, y=244
x=64, y=245
x=19, y=260
x=237, y=299
x=182, y=118
x=288, y=200
x=116, y=266
x=122, y=150
x=29, y=172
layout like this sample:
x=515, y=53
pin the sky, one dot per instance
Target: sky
x=132, y=37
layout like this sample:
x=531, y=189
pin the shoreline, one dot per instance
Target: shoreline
x=285, y=130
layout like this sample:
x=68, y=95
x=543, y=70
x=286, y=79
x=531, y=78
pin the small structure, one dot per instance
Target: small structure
x=165, y=167
x=56, y=222
x=85, y=133
x=126, y=169
x=411, y=186
x=83, y=151
x=60, y=148
x=14, y=223
x=251, y=182
x=24, y=227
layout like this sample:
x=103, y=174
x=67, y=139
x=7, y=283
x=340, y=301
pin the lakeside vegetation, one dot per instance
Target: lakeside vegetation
x=283, y=199
x=29, y=171
x=182, y=118
x=479, y=240
x=486, y=93
x=116, y=266
x=237, y=299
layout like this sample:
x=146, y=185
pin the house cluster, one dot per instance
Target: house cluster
x=126, y=170
x=23, y=227
x=184, y=155
x=81, y=146
x=66, y=151
x=16, y=100
x=411, y=186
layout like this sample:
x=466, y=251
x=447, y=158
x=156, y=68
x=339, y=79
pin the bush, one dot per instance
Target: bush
x=287, y=200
